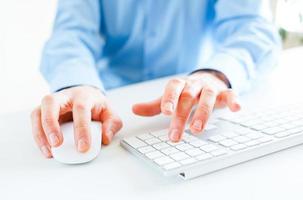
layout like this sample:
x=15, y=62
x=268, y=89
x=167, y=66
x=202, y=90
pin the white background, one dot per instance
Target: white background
x=24, y=27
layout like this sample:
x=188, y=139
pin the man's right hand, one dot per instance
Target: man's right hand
x=80, y=104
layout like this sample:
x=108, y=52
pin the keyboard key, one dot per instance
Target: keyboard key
x=272, y=124
x=160, y=133
x=169, y=150
x=298, y=122
x=228, y=142
x=282, y=134
x=188, y=161
x=208, y=148
x=210, y=126
x=152, y=141
x=288, y=126
x=295, y=130
x=204, y=156
x=229, y=134
x=252, y=143
x=184, y=147
x=219, y=152
x=198, y=143
x=254, y=135
x=251, y=122
x=163, y=160
x=179, y=156
x=146, y=149
x=235, y=120
x=171, y=166
x=272, y=131
x=194, y=152
x=216, y=138
x=282, y=122
x=259, y=127
x=161, y=145
x=164, y=138
x=242, y=130
x=145, y=136
x=135, y=142
x=267, y=119
x=238, y=147
x=174, y=143
x=241, y=139
x=265, y=139
x=188, y=138
x=154, y=154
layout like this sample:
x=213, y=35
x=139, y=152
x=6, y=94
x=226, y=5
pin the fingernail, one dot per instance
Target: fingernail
x=110, y=135
x=53, y=139
x=169, y=107
x=236, y=105
x=174, y=135
x=197, y=125
x=82, y=145
x=45, y=151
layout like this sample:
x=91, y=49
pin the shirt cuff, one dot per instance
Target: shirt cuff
x=77, y=74
x=232, y=68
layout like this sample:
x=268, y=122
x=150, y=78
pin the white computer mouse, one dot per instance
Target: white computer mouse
x=67, y=152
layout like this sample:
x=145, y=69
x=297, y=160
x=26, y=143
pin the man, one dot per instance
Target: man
x=102, y=44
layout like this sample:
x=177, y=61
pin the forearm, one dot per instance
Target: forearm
x=69, y=57
x=245, y=43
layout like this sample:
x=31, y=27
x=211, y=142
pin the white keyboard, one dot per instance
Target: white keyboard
x=226, y=141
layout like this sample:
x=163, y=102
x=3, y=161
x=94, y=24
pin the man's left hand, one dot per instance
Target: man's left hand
x=204, y=89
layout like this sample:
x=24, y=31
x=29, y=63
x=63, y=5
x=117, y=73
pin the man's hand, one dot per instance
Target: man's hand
x=203, y=89
x=80, y=104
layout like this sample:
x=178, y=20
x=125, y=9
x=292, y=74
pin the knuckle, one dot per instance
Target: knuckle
x=116, y=122
x=209, y=91
x=48, y=99
x=182, y=118
x=204, y=110
x=119, y=124
x=38, y=138
x=34, y=113
x=82, y=126
x=187, y=95
x=80, y=106
x=171, y=96
x=48, y=123
x=175, y=81
x=82, y=129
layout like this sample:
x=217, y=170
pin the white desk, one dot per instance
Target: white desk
x=116, y=174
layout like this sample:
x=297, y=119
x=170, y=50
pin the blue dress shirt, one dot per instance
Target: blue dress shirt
x=111, y=43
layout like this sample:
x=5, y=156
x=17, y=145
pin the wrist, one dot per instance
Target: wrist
x=215, y=73
x=86, y=87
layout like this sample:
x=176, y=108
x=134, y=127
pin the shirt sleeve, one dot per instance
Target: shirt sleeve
x=69, y=57
x=246, y=43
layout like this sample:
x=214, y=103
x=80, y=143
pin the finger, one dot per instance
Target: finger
x=171, y=95
x=82, y=118
x=38, y=133
x=204, y=109
x=111, y=124
x=229, y=99
x=50, y=109
x=148, y=109
x=185, y=104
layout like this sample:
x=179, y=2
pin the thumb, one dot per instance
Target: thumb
x=148, y=109
x=228, y=98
